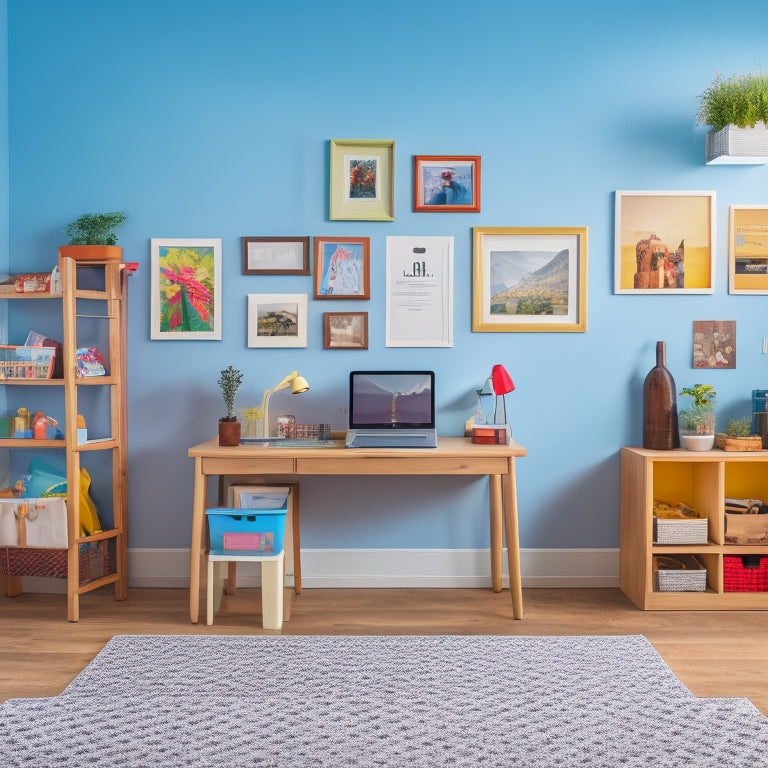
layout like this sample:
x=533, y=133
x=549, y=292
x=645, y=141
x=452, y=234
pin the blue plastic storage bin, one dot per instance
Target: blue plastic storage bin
x=246, y=531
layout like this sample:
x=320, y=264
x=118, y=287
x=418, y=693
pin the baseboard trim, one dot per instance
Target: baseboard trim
x=438, y=568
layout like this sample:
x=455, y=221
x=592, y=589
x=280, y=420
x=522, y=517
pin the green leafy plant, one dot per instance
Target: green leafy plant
x=699, y=418
x=740, y=427
x=95, y=228
x=230, y=381
x=740, y=100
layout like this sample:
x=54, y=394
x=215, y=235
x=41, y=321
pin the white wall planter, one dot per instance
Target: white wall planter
x=738, y=146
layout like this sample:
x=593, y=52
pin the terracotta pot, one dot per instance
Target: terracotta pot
x=229, y=433
x=92, y=252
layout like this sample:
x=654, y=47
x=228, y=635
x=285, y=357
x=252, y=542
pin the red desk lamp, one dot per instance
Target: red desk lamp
x=502, y=384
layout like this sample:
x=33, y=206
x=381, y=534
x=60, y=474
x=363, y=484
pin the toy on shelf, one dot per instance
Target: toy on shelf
x=89, y=362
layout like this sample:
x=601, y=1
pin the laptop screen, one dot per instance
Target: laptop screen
x=392, y=400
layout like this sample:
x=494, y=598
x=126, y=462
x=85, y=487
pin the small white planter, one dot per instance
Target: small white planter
x=698, y=442
x=738, y=146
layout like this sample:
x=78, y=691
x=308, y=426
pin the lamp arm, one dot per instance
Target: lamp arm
x=268, y=394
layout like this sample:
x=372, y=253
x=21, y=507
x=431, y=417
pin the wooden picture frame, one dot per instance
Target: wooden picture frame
x=362, y=180
x=664, y=242
x=342, y=267
x=185, y=301
x=277, y=320
x=345, y=330
x=276, y=255
x=748, y=249
x=446, y=183
x=528, y=261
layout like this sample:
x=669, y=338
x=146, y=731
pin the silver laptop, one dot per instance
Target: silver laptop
x=392, y=409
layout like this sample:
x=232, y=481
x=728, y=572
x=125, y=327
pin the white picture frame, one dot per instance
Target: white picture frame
x=277, y=320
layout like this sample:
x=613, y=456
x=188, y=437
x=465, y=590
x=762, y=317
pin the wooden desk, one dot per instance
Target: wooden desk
x=453, y=456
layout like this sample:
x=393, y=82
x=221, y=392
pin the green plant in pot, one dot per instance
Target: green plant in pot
x=736, y=109
x=230, y=380
x=92, y=237
x=697, y=421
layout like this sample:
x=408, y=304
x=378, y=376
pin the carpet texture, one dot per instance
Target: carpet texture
x=404, y=701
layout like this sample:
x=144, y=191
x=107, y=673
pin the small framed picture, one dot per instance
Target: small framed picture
x=664, y=243
x=277, y=320
x=446, y=183
x=342, y=267
x=362, y=180
x=186, y=289
x=345, y=330
x=275, y=255
x=748, y=249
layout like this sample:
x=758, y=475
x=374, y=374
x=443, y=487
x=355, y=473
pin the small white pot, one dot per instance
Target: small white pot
x=698, y=442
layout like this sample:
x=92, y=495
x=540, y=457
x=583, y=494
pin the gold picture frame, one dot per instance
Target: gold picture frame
x=522, y=259
x=362, y=184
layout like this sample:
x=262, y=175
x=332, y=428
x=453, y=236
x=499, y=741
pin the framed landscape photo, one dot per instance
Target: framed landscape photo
x=664, y=242
x=275, y=255
x=277, y=320
x=529, y=279
x=446, y=183
x=362, y=180
x=345, y=330
x=748, y=249
x=185, y=289
x=342, y=267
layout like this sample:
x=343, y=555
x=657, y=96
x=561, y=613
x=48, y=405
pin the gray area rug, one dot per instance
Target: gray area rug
x=405, y=701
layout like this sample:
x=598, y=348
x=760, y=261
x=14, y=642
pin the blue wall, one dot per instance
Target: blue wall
x=203, y=119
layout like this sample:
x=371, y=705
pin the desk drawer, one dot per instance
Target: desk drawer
x=249, y=465
x=418, y=465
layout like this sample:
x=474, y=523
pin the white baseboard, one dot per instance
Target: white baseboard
x=445, y=568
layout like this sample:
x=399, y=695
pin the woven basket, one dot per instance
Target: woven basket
x=96, y=560
x=671, y=531
x=741, y=575
x=680, y=573
x=745, y=146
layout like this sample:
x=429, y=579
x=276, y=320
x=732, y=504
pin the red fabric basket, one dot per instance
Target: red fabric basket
x=748, y=573
x=96, y=560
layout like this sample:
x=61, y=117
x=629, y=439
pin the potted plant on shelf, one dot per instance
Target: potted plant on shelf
x=92, y=237
x=697, y=421
x=736, y=109
x=229, y=427
x=739, y=436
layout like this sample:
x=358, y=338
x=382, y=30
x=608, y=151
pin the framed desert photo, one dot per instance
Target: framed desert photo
x=345, y=330
x=342, y=267
x=664, y=242
x=362, y=180
x=748, y=249
x=186, y=289
x=277, y=320
x=529, y=279
x=275, y=255
x=449, y=183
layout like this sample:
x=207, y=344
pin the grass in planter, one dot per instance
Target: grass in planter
x=740, y=100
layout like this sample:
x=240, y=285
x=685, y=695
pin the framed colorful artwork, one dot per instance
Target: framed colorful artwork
x=748, y=249
x=362, y=180
x=345, y=330
x=342, y=267
x=277, y=319
x=186, y=289
x=446, y=183
x=529, y=279
x=275, y=255
x=664, y=242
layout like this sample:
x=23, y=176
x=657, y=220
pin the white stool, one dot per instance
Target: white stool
x=272, y=570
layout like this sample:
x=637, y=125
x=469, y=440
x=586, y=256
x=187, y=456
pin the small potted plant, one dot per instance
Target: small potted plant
x=739, y=436
x=736, y=109
x=92, y=237
x=229, y=427
x=697, y=421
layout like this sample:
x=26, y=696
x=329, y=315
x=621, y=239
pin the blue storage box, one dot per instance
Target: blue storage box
x=236, y=531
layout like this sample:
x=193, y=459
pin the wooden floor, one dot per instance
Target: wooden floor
x=714, y=653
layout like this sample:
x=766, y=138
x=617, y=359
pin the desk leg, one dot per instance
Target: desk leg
x=513, y=540
x=495, y=498
x=295, y=528
x=198, y=513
